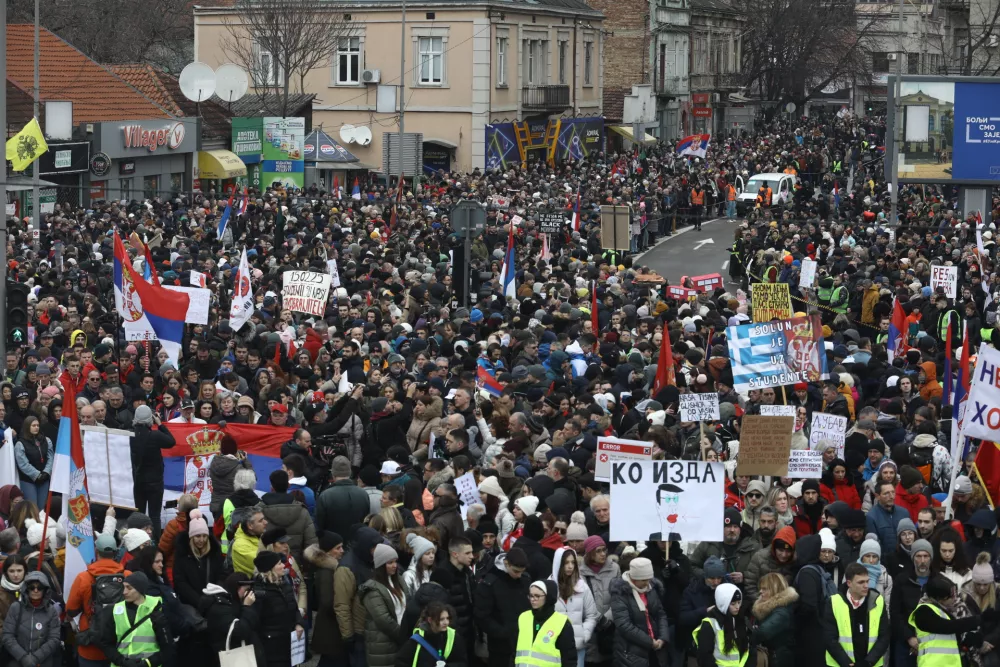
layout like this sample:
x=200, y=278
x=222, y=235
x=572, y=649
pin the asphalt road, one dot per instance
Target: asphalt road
x=692, y=253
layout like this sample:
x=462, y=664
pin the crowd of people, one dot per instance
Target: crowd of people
x=362, y=547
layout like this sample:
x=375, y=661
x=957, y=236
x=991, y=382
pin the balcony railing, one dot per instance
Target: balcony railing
x=670, y=85
x=715, y=82
x=545, y=97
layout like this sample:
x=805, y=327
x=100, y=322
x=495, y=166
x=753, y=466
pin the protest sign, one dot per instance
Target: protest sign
x=550, y=223
x=805, y=464
x=331, y=266
x=616, y=449
x=807, y=273
x=707, y=283
x=8, y=465
x=108, y=484
x=765, y=443
x=305, y=292
x=699, y=407
x=779, y=411
x=831, y=428
x=681, y=293
x=982, y=412
x=468, y=492
x=680, y=498
x=770, y=301
x=946, y=277
x=772, y=354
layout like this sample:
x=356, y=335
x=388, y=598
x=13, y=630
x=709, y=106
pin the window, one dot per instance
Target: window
x=501, y=61
x=150, y=187
x=176, y=183
x=913, y=63
x=588, y=63
x=431, y=60
x=930, y=122
x=349, y=61
x=125, y=187
x=563, y=52
x=880, y=61
x=268, y=71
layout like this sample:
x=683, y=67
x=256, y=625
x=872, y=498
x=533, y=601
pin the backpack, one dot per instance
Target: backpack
x=922, y=458
x=827, y=586
x=106, y=591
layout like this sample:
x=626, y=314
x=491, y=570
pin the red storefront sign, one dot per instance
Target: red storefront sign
x=701, y=112
x=700, y=98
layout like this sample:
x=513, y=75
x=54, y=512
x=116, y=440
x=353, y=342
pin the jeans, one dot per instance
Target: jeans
x=149, y=501
x=357, y=656
x=731, y=210
x=36, y=493
x=581, y=657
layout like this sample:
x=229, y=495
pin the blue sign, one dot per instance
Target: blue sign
x=283, y=166
x=977, y=132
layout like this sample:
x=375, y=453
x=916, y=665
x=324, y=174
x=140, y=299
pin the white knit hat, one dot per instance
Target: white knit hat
x=528, y=504
x=491, y=486
x=134, y=538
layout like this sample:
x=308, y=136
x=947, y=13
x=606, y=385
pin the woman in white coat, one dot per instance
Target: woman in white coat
x=496, y=502
x=574, y=599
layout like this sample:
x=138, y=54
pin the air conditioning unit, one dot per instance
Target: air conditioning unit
x=371, y=76
x=893, y=56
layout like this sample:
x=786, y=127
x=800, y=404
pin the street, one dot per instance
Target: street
x=693, y=253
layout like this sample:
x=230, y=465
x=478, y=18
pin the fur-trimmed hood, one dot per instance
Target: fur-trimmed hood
x=763, y=608
x=320, y=559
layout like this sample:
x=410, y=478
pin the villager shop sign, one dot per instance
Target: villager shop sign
x=152, y=138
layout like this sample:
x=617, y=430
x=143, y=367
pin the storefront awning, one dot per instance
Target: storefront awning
x=220, y=164
x=626, y=132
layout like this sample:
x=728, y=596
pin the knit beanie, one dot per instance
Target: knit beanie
x=487, y=527
x=982, y=572
x=577, y=529
x=491, y=486
x=909, y=476
x=418, y=545
x=134, y=538
x=922, y=545
x=528, y=504
x=827, y=540
x=593, y=542
x=34, y=532
x=383, y=554
x=871, y=546
x=904, y=525
x=641, y=569
x=138, y=520
x=714, y=568
x=197, y=526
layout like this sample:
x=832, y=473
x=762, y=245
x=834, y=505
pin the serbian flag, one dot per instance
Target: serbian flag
x=488, y=383
x=576, y=212
x=164, y=310
x=507, y=272
x=696, y=145
x=896, y=343
x=69, y=477
x=356, y=190
x=224, y=219
x=959, y=445
x=241, y=207
x=593, y=310
x=836, y=194
x=987, y=467
x=336, y=186
x=664, y=365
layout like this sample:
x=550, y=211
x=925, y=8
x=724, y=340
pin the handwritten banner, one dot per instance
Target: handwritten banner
x=770, y=301
x=764, y=445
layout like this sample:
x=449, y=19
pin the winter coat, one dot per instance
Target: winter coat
x=342, y=505
x=460, y=597
x=420, y=430
x=411, y=580
x=499, y=602
x=355, y=569
x=382, y=635
x=222, y=471
x=147, y=456
x=273, y=616
x=632, y=641
x=843, y=490
x=803, y=523
x=696, y=599
x=776, y=626
x=877, y=645
x=738, y=562
x=282, y=511
x=411, y=649
x=810, y=585
x=326, y=639
x=600, y=586
x=35, y=631
x=448, y=519
x=80, y=599
x=415, y=604
x=168, y=538
x=539, y=565
x=762, y=564
x=219, y=611
x=244, y=549
x=580, y=607
x=883, y=524
x=193, y=574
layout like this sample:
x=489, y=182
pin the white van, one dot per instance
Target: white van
x=782, y=187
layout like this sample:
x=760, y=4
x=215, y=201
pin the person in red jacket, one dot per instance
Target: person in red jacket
x=909, y=491
x=737, y=491
x=808, y=518
x=838, y=485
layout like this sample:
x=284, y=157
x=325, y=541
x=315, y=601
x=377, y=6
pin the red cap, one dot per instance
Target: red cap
x=801, y=386
x=280, y=407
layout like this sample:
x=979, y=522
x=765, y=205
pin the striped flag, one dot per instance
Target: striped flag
x=224, y=219
x=488, y=383
x=594, y=321
x=576, y=212
x=356, y=190
x=507, y=286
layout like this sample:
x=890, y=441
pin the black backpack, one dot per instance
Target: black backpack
x=922, y=458
x=106, y=591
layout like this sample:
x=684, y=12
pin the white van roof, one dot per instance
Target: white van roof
x=769, y=177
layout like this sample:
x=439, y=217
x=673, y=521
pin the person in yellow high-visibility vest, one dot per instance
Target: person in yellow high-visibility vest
x=722, y=638
x=544, y=636
x=856, y=623
x=134, y=632
x=937, y=631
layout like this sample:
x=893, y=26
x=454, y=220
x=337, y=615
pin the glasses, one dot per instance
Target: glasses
x=756, y=495
x=34, y=587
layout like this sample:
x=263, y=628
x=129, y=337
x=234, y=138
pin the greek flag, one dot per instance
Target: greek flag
x=771, y=354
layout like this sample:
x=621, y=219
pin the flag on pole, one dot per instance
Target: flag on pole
x=336, y=187
x=488, y=383
x=959, y=445
x=948, y=379
x=242, y=308
x=507, y=272
x=224, y=218
x=546, y=253
x=26, y=146
x=241, y=208
x=836, y=194
x=594, y=320
x=979, y=234
x=664, y=365
x=576, y=212
x=987, y=468
x=356, y=190
x=69, y=477
x=896, y=342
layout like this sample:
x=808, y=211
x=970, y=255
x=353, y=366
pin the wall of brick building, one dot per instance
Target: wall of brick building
x=626, y=52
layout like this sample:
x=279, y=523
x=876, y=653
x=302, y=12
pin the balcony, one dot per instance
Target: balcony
x=670, y=86
x=715, y=82
x=545, y=98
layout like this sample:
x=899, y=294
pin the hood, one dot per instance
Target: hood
x=786, y=534
x=38, y=577
x=930, y=370
x=105, y=566
x=807, y=550
x=763, y=608
x=320, y=559
x=557, y=562
x=76, y=334
x=8, y=493
x=983, y=518
x=214, y=589
x=365, y=539
x=574, y=350
x=500, y=562
x=925, y=441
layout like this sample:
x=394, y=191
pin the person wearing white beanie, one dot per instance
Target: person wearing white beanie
x=134, y=538
x=496, y=503
x=527, y=504
x=723, y=620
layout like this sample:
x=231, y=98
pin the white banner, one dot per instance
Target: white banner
x=982, y=409
x=946, y=277
x=699, y=407
x=686, y=498
x=779, y=411
x=805, y=464
x=8, y=466
x=828, y=427
x=616, y=449
x=305, y=292
x=242, y=307
x=199, y=303
x=807, y=274
x=331, y=265
x=108, y=484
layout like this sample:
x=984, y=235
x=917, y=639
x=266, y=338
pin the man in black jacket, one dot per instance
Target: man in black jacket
x=344, y=504
x=851, y=613
x=147, y=463
x=460, y=557
x=500, y=599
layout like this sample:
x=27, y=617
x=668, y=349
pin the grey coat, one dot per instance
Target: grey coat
x=600, y=586
x=35, y=631
x=382, y=634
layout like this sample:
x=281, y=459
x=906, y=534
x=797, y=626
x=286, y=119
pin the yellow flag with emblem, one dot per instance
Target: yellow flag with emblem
x=26, y=146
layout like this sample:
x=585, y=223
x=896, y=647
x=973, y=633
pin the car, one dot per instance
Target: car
x=782, y=186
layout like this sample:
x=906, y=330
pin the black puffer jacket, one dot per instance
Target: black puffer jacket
x=273, y=617
x=632, y=641
x=427, y=593
x=219, y=611
x=147, y=456
x=192, y=574
x=460, y=597
x=499, y=602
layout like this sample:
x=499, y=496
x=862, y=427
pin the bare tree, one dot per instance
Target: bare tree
x=978, y=44
x=281, y=41
x=793, y=49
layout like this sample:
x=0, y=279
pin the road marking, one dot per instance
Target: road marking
x=663, y=240
x=699, y=244
x=725, y=265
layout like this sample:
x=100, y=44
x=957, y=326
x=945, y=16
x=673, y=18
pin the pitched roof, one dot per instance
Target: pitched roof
x=576, y=6
x=143, y=77
x=614, y=103
x=66, y=74
x=713, y=6
x=267, y=104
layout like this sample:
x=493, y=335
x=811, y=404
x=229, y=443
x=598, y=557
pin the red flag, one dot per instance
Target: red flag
x=664, y=365
x=336, y=186
x=593, y=310
x=987, y=468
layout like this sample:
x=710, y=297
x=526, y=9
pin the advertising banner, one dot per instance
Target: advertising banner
x=283, y=151
x=501, y=147
x=305, y=292
x=579, y=137
x=771, y=354
x=676, y=500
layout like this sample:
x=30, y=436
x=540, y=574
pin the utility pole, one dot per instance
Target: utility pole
x=402, y=92
x=36, y=204
x=897, y=127
x=3, y=181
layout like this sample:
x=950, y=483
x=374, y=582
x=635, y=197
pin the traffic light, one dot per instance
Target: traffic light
x=17, y=315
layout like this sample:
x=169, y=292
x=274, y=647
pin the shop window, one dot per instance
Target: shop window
x=150, y=187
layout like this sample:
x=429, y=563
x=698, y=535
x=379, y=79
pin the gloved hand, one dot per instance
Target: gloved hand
x=42, y=478
x=28, y=660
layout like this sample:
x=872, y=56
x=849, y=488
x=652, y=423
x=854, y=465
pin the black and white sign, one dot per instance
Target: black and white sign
x=550, y=223
x=699, y=407
x=100, y=164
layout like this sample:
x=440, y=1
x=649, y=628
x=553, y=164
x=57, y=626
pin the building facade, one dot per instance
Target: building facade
x=466, y=66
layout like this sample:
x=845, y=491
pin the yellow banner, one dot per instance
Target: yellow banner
x=770, y=301
x=26, y=146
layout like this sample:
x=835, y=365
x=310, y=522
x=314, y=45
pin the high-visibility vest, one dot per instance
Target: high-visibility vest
x=934, y=650
x=449, y=643
x=882, y=339
x=538, y=650
x=945, y=322
x=842, y=308
x=837, y=166
x=986, y=335
x=842, y=614
x=697, y=197
x=767, y=196
x=722, y=659
x=730, y=193
x=141, y=642
x=824, y=294
x=771, y=274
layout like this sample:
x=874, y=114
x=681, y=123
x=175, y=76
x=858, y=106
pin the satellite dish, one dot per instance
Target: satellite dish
x=790, y=107
x=197, y=82
x=231, y=82
x=347, y=133
x=363, y=135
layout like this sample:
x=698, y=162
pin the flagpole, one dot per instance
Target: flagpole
x=36, y=213
x=3, y=180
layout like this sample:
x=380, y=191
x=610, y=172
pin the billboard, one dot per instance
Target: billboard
x=948, y=130
x=578, y=138
x=284, y=151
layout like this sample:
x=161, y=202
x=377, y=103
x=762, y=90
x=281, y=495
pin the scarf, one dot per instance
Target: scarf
x=7, y=586
x=874, y=572
x=640, y=600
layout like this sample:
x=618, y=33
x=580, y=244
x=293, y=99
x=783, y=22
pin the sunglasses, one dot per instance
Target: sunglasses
x=755, y=495
x=35, y=587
